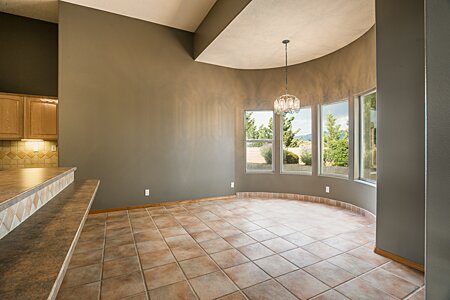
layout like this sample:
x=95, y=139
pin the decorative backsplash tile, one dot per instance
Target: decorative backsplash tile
x=28, y=154
x=14, y=215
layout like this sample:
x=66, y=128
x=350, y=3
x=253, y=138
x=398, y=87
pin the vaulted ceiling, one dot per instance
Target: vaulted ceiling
x=251, y=38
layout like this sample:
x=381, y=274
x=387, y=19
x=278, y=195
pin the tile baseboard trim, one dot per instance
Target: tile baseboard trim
x=299, y=197
x=399, y=259
x=100, y=211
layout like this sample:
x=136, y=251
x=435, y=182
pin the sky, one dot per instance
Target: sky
x=303, y=118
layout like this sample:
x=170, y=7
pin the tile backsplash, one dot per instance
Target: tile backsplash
x=28, y=154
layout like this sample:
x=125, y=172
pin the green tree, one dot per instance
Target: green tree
x=335, y=143
x=265, y=132
x=252, y=132
x=369, y=132
x=289, y=139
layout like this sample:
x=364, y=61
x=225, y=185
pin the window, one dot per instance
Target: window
x=334, y=139
x=368, y=137
x=296, y=144
x=259, y=141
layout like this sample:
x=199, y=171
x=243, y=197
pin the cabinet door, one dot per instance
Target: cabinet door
x=11, y=117
x=41, y=118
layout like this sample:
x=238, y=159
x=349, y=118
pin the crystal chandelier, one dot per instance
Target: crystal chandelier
x=286, y=103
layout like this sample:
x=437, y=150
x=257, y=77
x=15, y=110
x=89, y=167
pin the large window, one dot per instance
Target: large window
x=296, y=144
x=368, y=137
x=259, y=141
x=334, y=139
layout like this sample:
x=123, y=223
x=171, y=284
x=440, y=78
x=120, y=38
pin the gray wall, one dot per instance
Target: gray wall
x=401, y=130
x=438, y=149
x=136, y=111
x=28, y=56
x=341, y=75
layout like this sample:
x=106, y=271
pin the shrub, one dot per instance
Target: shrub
x=266, y=152
x=306, y=158
x=290, y=157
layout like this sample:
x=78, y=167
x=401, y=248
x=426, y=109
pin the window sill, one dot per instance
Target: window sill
x=334, y=176
x=366, y=183
x=296, y=173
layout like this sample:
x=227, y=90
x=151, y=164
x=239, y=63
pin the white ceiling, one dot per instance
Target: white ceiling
x=182, y=14
x=315, y=28
x=46, y=10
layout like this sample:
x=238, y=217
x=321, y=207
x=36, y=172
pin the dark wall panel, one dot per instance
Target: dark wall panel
x=401, y=128
x=28, y=56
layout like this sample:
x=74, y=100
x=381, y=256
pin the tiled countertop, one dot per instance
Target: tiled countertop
x=17, y=184
x=34, y=257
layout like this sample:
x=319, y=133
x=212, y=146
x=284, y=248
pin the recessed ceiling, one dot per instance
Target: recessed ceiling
x=182, y=14
x=45, y=10
x=316, y=28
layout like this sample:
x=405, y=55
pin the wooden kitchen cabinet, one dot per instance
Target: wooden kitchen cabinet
x=41, y=118
x=11, y=117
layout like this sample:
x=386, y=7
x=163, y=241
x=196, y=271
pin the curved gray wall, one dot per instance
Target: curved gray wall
x=343, y=74
x=136, y=111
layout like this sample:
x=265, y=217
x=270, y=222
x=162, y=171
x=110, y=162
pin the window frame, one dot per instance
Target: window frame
x=320, y=140
x=307, y=173
x=359, y=165
x=272, y=170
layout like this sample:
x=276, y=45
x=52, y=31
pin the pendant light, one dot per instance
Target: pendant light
x=286, y=103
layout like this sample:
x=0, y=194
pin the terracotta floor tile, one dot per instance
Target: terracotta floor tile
x=163, y=275
x=179, y=290
x=369, y=256
x=228, y=232
x=328, y=273
x=247, y=226
x=261, y=235
x=150, y=246
x=321, y=250
x=390, y=283
x=255, y=251
x=137, y=213
x=213, y=246
x=330, y=295
x=205, y=235
x=300, y=257
x=278, y=245
x=119, y=252
x=86, y=258
x=184, y=240
x=172, y=231
x=405, y=272
x=89, y=291
x=229, y=258
x=265, y=222
x=212, y=286
x=156, y=258
x=165, y=221
x=280, y=230
x=89, y=245
x=183, y=253
x=191, y=228
x=234, y=296
x=198, y=266
x=82, y=275
x=302, y=285
x=246, y=275
x=418, y=295
x=118, y=231
x=117, y=224
x=122, y=286
x=360, y=289
x=138, y=227
x=299, y=239
x=120, y=266
x=240, y=240
x=268, y=290
x=119, y=240
x=141, y=296
x=318, y=233
x=147, y=235
x=275, y=265
x=351, y=264
x=340, y=243
x=89, y=236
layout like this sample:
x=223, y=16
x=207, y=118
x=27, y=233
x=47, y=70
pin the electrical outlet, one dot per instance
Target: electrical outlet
x=147, y=192
x=327, y=189
x=53, y=148
x=232, y=184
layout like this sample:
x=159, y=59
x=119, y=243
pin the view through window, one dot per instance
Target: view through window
x=296, y=144
x=368, y=137
x=334, y=139
x=259, y=140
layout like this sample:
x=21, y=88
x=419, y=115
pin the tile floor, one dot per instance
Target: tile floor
x=234, y=249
